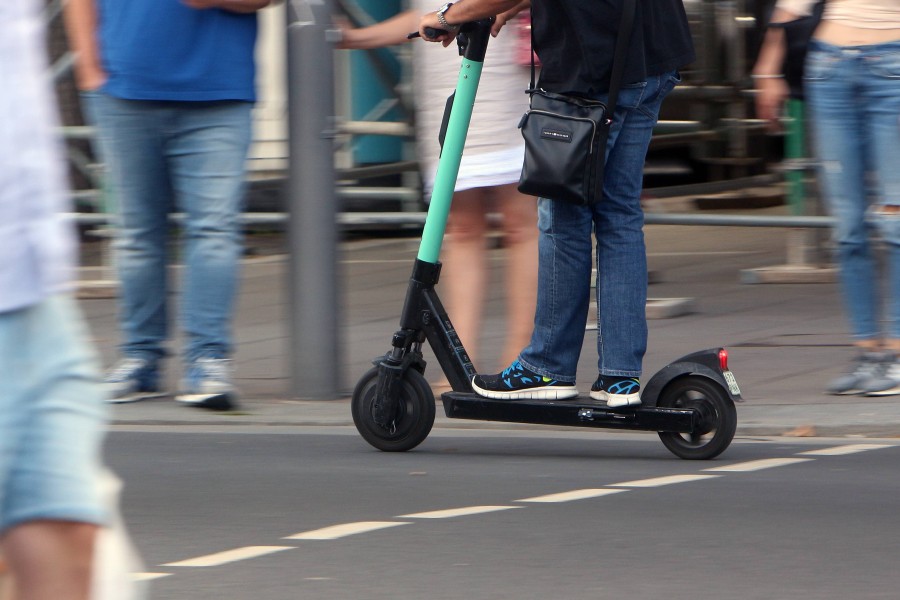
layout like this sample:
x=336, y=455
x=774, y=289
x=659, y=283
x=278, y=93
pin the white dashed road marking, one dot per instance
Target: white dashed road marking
x=338, y=531
x=842, y=450
x=573, y=495
x=229, y=556
x=661, y=481
x=456, y=512
x=149, y=576
x=758, y=465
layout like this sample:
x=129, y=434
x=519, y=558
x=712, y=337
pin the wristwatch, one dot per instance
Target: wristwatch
x=443, y=20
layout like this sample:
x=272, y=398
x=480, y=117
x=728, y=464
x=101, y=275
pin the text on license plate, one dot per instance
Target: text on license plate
x=732, y=383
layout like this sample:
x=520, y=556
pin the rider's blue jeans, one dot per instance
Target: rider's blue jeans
x=189, y=157
x=853, y=96
x=565, y=257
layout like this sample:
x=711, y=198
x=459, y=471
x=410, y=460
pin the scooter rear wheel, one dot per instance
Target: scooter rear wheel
x=415, y=412
x=717, y=418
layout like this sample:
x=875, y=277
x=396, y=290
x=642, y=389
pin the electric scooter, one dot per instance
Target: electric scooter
x=689, y=403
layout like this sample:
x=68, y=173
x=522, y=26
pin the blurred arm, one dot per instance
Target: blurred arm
x=389, y=32
x=81, y=27
x=771, y=88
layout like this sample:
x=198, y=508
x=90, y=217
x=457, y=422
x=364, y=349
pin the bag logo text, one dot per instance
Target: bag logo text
x=560, y=135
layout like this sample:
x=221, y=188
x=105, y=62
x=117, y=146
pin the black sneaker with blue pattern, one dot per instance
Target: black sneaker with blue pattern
x=617, y=391
x=519, y=383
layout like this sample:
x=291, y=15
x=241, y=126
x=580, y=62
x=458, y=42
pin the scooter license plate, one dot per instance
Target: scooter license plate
x=732, y=383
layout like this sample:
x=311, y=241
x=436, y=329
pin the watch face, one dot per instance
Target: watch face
x=444, y=8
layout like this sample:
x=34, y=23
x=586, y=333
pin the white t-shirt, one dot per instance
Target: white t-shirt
x=36, y=242
x=865, y=14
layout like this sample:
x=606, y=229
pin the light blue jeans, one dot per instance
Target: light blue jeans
x=565, y=261
x=189, y=157
x=853, y=96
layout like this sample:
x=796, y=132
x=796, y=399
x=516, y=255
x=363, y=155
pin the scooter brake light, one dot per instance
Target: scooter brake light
x=723, y=359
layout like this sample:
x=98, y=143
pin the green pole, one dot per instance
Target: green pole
x=448, y=166
x=795, y=148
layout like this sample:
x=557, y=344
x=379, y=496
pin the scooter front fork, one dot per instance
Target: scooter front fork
x=423, y=318
x=406, y=353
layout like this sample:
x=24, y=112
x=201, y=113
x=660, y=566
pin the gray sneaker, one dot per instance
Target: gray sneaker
x=132, y=379
x=886, y=381
x=207, y=384
x=866, y=367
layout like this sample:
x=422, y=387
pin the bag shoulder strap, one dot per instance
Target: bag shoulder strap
x=618, y=66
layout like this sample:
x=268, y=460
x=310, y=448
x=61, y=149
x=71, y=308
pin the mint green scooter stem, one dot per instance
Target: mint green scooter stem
x=451, y=155
x=423, y=316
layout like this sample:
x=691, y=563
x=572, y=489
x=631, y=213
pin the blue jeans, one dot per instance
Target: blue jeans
x=565, y=261
x=853, y=95
x=185, y=156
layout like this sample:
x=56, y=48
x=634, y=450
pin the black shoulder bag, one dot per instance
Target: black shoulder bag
x=565, y=136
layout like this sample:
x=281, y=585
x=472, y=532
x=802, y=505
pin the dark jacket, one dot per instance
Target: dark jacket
x=576, y=39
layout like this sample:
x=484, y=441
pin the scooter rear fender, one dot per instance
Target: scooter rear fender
x=704, y=363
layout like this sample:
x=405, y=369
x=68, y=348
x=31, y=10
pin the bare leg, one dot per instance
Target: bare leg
x=464, y=274
x=869, y=345
x=520, y=239
x=50, y=560
x=7, y=591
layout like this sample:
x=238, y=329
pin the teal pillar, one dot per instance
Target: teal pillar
x=795, y=148
x=367, y=91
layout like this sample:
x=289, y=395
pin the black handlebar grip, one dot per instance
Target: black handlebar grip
x=429, y=31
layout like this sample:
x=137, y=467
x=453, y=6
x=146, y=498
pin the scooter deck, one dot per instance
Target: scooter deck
x=579, y=412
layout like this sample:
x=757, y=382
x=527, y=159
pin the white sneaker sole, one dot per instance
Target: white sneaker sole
x=545, y=393
x=218, y=401
x=617, y=400
x=135, y=397
x=853, y=392
x=890, y=392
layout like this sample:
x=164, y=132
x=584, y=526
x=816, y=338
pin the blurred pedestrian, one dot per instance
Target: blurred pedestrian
x=575, y=42
x=170, y=86
x=487, y=180
x=52, y=416
x=852, y=90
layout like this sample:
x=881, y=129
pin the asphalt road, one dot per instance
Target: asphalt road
x=491, y=514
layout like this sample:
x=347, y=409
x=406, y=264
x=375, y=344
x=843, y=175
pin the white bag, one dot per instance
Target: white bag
x=116, y=561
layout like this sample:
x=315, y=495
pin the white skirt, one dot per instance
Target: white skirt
x=494, y=148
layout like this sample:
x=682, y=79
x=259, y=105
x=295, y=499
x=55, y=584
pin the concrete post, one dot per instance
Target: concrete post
x=312, y=229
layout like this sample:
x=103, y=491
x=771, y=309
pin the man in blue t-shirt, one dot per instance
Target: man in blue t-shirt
x=170, y=86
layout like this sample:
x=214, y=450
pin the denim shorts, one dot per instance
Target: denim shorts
x=52, y=416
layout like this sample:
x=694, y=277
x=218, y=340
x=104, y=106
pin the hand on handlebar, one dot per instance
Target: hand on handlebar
x=431, y=33
x=431, y=30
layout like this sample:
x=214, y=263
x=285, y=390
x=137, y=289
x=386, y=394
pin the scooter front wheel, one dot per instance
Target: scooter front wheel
x=717, y=420
x=414, y=418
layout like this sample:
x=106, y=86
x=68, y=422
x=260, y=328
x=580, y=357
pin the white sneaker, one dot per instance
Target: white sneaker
x=132, y=379
x=207, y=384
x=886, y=380
x=866, y=367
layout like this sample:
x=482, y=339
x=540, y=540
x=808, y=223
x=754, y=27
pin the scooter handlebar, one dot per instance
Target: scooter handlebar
x=429, y=31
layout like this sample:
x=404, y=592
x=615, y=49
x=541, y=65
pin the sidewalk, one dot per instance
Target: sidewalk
x=785, y=341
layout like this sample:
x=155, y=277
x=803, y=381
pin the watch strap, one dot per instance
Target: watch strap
x=442, y=19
